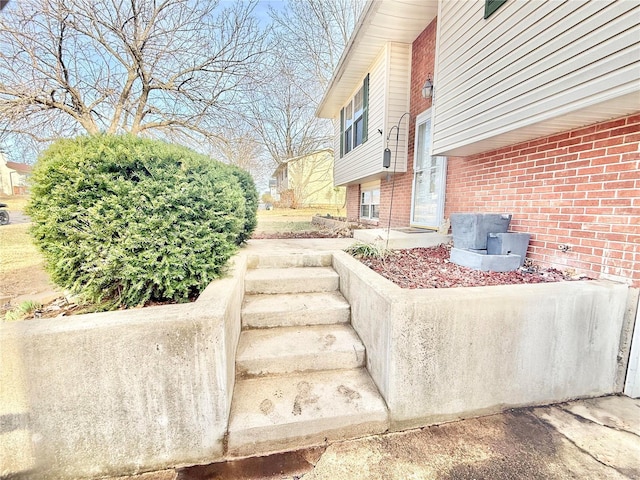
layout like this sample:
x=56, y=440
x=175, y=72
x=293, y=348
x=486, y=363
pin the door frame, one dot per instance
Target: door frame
x=442, y=184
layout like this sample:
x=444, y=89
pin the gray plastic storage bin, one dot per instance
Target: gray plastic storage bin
x=470, y=230
x=506, y=243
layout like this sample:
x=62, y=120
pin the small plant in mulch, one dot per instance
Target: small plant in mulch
x=374, y=251
x=431, y=268
x=22, y=311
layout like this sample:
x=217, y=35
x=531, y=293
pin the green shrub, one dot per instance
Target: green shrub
x=251, y=202
x=123, y=220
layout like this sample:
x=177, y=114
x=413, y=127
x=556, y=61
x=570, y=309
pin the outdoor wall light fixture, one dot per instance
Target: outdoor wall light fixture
x=386, y=158
x=427, y=89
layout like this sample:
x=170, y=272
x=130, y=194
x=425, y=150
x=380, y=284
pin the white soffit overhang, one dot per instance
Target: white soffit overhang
x=381, y=22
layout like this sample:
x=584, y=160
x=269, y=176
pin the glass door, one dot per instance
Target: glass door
x=429, y=178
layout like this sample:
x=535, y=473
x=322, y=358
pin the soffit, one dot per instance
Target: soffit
x=582, y=117
x=381, y=22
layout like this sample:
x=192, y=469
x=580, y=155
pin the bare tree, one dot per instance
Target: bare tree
x=314, y=34
x=310, y=37
x=170, y=68
x=283, y=117
x=243, y=150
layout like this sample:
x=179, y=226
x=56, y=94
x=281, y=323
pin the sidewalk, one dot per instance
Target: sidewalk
x=586, y=439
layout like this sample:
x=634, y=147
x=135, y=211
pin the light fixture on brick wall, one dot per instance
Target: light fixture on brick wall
x=427, y=89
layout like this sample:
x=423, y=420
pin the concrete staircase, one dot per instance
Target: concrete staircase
x=300, y=370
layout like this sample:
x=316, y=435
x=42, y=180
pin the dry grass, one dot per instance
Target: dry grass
x=17, y=249
x=15, y=204
x=291, y=220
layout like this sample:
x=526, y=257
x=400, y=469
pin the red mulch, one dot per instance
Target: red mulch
x=430, y=268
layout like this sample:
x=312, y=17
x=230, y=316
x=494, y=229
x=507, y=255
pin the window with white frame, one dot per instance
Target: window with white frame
x=370, y=203
x=354, y=120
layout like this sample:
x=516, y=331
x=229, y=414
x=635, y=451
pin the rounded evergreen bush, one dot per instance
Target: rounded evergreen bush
x=123, y=220
x=251, y=203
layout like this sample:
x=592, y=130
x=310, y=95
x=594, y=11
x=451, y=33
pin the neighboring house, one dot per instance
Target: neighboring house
x=13, y=177
x=307, y=181
x=535, y=111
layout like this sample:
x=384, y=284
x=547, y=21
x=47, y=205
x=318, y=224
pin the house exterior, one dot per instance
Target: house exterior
x=13, y=177
x=307, y=181
x=535, y=111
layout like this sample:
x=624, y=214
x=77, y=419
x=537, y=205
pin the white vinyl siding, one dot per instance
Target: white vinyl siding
x=398, y=96
x=389, y=78
x=532, y=69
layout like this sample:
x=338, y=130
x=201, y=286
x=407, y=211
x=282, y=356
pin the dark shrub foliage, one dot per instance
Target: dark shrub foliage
x=123, y=220
x=251, y=202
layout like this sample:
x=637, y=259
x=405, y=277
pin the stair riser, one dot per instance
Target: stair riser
x=293, y=285
x=279, y=437
x=291, y=260
x=293, y=319
x=328, y=361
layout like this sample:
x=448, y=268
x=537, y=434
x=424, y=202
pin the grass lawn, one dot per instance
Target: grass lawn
x=291, y=220
x=18, y=250
x=16, y=203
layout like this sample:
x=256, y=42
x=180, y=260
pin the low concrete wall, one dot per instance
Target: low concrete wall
x=333, y=222
x=121, y=392
x=443, y=354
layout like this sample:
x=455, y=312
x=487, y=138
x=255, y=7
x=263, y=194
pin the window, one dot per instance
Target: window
x=370, y=203
x=491, y=6
x=354, y=119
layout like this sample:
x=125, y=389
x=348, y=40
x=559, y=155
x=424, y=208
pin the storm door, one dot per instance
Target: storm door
x=429, y=178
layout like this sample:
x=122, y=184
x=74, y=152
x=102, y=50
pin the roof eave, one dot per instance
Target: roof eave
x=381, y=22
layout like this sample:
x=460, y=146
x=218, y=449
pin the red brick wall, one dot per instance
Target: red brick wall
x=580, y=188
x=353, y=203
x=422, y=66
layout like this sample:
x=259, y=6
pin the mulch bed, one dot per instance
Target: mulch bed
x=431, y=268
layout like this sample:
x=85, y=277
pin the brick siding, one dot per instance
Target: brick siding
x=579, y=188
x=353, y=203
x=422, y=66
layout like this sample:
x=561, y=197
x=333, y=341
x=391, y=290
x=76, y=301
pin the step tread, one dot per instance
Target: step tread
x=298, y=348
x=290, y=273
x=269, y=310
x=291, y=411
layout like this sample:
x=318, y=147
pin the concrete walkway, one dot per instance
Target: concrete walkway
x=586, y=439
x=295, y=245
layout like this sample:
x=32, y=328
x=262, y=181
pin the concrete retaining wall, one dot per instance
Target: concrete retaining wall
x=120, y=392
x=124, y=392
x=443, y=354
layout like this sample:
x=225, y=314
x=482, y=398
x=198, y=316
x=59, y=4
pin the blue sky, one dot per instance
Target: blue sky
x=262, y=9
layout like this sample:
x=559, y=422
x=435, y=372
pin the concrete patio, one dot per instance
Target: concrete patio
x=594, y=438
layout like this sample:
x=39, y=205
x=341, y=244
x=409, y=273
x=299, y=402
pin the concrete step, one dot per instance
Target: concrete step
x=296, y=349
x=289, y=412
x=263, y=311
x=290, y=259
x=291, y=280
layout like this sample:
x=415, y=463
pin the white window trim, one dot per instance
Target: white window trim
x=363, y=91
x=369, y=188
